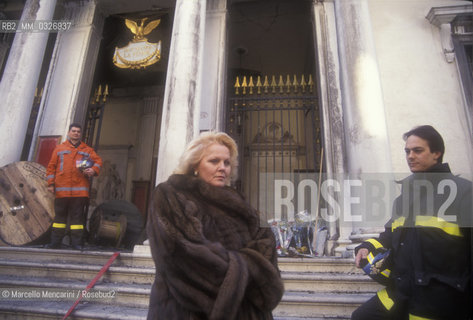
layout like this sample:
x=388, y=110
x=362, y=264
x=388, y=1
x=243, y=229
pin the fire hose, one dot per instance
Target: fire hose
x=92, y=283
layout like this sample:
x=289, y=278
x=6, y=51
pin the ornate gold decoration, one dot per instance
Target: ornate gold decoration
x=245, y=85
x=95, y=99
x=140, y=30
x=37, y=98
x=139, y=53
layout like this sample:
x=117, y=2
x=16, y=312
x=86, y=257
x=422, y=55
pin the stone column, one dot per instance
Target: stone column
x=3, y=51
x=213, y=91
x=69, y=80
x=330, y=102
x=19, y=80
x=4, y=45
x=366, y=137
x=181, y=106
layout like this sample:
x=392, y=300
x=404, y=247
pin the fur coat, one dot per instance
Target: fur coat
x=212, y=259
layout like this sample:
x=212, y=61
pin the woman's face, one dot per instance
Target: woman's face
x=214, y=168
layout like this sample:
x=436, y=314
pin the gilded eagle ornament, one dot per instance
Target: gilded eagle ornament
x=141, y=30
x=139, y=53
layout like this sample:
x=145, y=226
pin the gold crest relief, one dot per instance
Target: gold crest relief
x=139, y=53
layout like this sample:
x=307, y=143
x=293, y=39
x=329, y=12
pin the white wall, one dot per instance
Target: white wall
x=419, y=85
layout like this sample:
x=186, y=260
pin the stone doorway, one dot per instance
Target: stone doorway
x=272, y=107
x=128, y=124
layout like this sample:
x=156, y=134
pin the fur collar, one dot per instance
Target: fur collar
x=225, y=197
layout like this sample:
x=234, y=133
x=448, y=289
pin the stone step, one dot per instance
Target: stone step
x=302, y=281
x=125, y=294
x=329, y=282
x=37, y=310
x=50, y=289
x=316, y=264
x=141, y=257
x=294, y=305
x=76, y=271
x=316, y=288
x=91, y=255
x=322, y=305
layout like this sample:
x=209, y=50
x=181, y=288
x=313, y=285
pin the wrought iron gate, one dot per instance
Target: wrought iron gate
x=277, y=128
x=93, y=124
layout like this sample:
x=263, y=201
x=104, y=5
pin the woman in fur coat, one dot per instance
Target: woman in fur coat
x=213, y=260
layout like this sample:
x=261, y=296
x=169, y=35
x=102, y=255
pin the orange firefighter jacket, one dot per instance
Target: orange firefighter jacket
x=63, y=172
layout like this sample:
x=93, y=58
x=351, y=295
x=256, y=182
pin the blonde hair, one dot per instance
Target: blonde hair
x=195, y=150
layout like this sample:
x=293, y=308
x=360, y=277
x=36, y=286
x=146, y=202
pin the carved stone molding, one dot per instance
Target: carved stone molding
x=81, y=13
x=447, y=43
x=442, y=17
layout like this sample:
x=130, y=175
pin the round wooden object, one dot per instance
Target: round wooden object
x=118, y=211
x=26, y=205
x=111, y=230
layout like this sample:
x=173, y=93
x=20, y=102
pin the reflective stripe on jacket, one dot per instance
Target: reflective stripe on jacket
x=62, y=172
x=430, y=237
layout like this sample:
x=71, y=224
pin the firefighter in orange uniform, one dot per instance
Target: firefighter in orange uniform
x=72, y=165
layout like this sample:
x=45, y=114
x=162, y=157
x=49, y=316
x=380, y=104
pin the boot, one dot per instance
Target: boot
x=56, y=239
x=76, y=239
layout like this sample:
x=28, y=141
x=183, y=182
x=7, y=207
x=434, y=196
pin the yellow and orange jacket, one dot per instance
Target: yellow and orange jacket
x=63, y=174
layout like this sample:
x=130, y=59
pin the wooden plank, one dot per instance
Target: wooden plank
x=18, y=197
x=26, y=206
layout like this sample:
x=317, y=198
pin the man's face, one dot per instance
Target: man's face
x=418, y=155
x=74, y=134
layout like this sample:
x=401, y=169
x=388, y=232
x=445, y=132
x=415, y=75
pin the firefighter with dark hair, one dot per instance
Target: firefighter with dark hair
x=72, y=165
x=424, y=255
